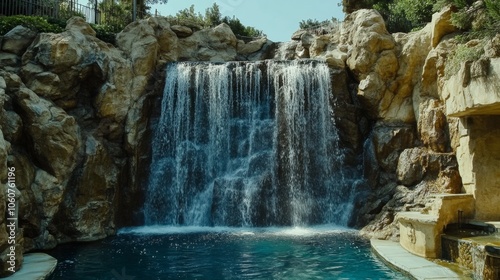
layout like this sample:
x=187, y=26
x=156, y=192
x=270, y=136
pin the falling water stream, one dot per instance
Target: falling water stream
x=247, y=144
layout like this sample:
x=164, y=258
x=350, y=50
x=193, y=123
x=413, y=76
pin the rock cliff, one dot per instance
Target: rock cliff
x=75, y=113
x=427, y=130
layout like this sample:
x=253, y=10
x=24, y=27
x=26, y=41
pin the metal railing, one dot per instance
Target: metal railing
x=99, y=13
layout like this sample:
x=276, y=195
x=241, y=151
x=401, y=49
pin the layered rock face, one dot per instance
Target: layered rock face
x=418, y=138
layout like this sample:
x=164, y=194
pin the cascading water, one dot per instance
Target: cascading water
x=247, y=144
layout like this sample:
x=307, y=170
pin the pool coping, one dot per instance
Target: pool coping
x=413, y=266
x=36, y=266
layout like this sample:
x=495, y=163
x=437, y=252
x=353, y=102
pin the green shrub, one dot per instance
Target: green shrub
x=476, y=19
x=36, y=23
x=189, y=17
x=405, y=15
x=106, y=33
x=462, y=54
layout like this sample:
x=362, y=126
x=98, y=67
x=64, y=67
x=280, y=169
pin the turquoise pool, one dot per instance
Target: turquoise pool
x=161, y=252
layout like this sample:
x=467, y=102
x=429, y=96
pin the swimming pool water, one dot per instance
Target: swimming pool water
x=160, y=252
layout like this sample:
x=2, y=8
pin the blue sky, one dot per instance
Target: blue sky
x=277, y=18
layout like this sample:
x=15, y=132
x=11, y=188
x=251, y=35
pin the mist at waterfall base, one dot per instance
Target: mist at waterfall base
x=247, y=181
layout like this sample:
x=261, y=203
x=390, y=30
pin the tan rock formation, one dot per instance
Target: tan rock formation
x=432, y=125
x=216, y=44
x=382, y=71
x=475, y=95
x=389, y=142
x=441, y=24
x=88, y=207
x=54, y=134
x=251, y=47
x=182, y=31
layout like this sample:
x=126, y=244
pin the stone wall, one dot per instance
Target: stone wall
x=479, y=158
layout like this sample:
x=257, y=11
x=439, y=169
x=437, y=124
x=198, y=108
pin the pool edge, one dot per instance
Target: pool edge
x=415, y=267
x=36, y=266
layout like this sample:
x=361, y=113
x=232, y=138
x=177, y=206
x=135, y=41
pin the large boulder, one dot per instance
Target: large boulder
x=53, y=134
x=389, y=141
x=17, y=40
x=59, y=66
x=373, y=60
x=87, y=211
x=415, y=47
x=138, y=41
x=48, y=193
x=410, y=166
x=251, y=47
x=365, y=33
x=182, y=31
x=441, y=24
x=29, y=211
x=473, y=90
x=433, y=126
x=216, y=44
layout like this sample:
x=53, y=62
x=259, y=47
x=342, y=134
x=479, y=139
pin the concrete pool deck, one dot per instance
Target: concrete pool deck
x=411, y=265
x=36, y=266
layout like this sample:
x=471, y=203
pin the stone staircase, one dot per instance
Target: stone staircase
x=420, y=232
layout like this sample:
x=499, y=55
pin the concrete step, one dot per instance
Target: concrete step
x=415, y=267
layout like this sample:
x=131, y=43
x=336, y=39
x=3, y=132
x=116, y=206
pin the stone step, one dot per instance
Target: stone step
x=415, y=267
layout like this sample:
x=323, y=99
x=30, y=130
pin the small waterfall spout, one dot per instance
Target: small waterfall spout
x=247, y=144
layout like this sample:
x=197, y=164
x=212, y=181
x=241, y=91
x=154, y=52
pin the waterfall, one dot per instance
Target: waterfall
x=247, y=144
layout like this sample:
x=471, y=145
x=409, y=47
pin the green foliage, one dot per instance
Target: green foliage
x=493, y=13
x=456, y=3
x=477, y=20
x=418, y=12
x=405, y=15
x=213, y=16
x=189, y=17
x=152, y=2
x=117, y=14
x=106, y=33
x=241, y=30
x=462, y=54
x=36, y=23
x=313, y=23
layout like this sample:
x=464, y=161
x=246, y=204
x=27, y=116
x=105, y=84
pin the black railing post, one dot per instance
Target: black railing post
x=95, y=12
x=134, y=10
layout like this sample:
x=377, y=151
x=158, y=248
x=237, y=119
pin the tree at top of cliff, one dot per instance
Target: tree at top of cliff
x=212, y=17
x=478, y=19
